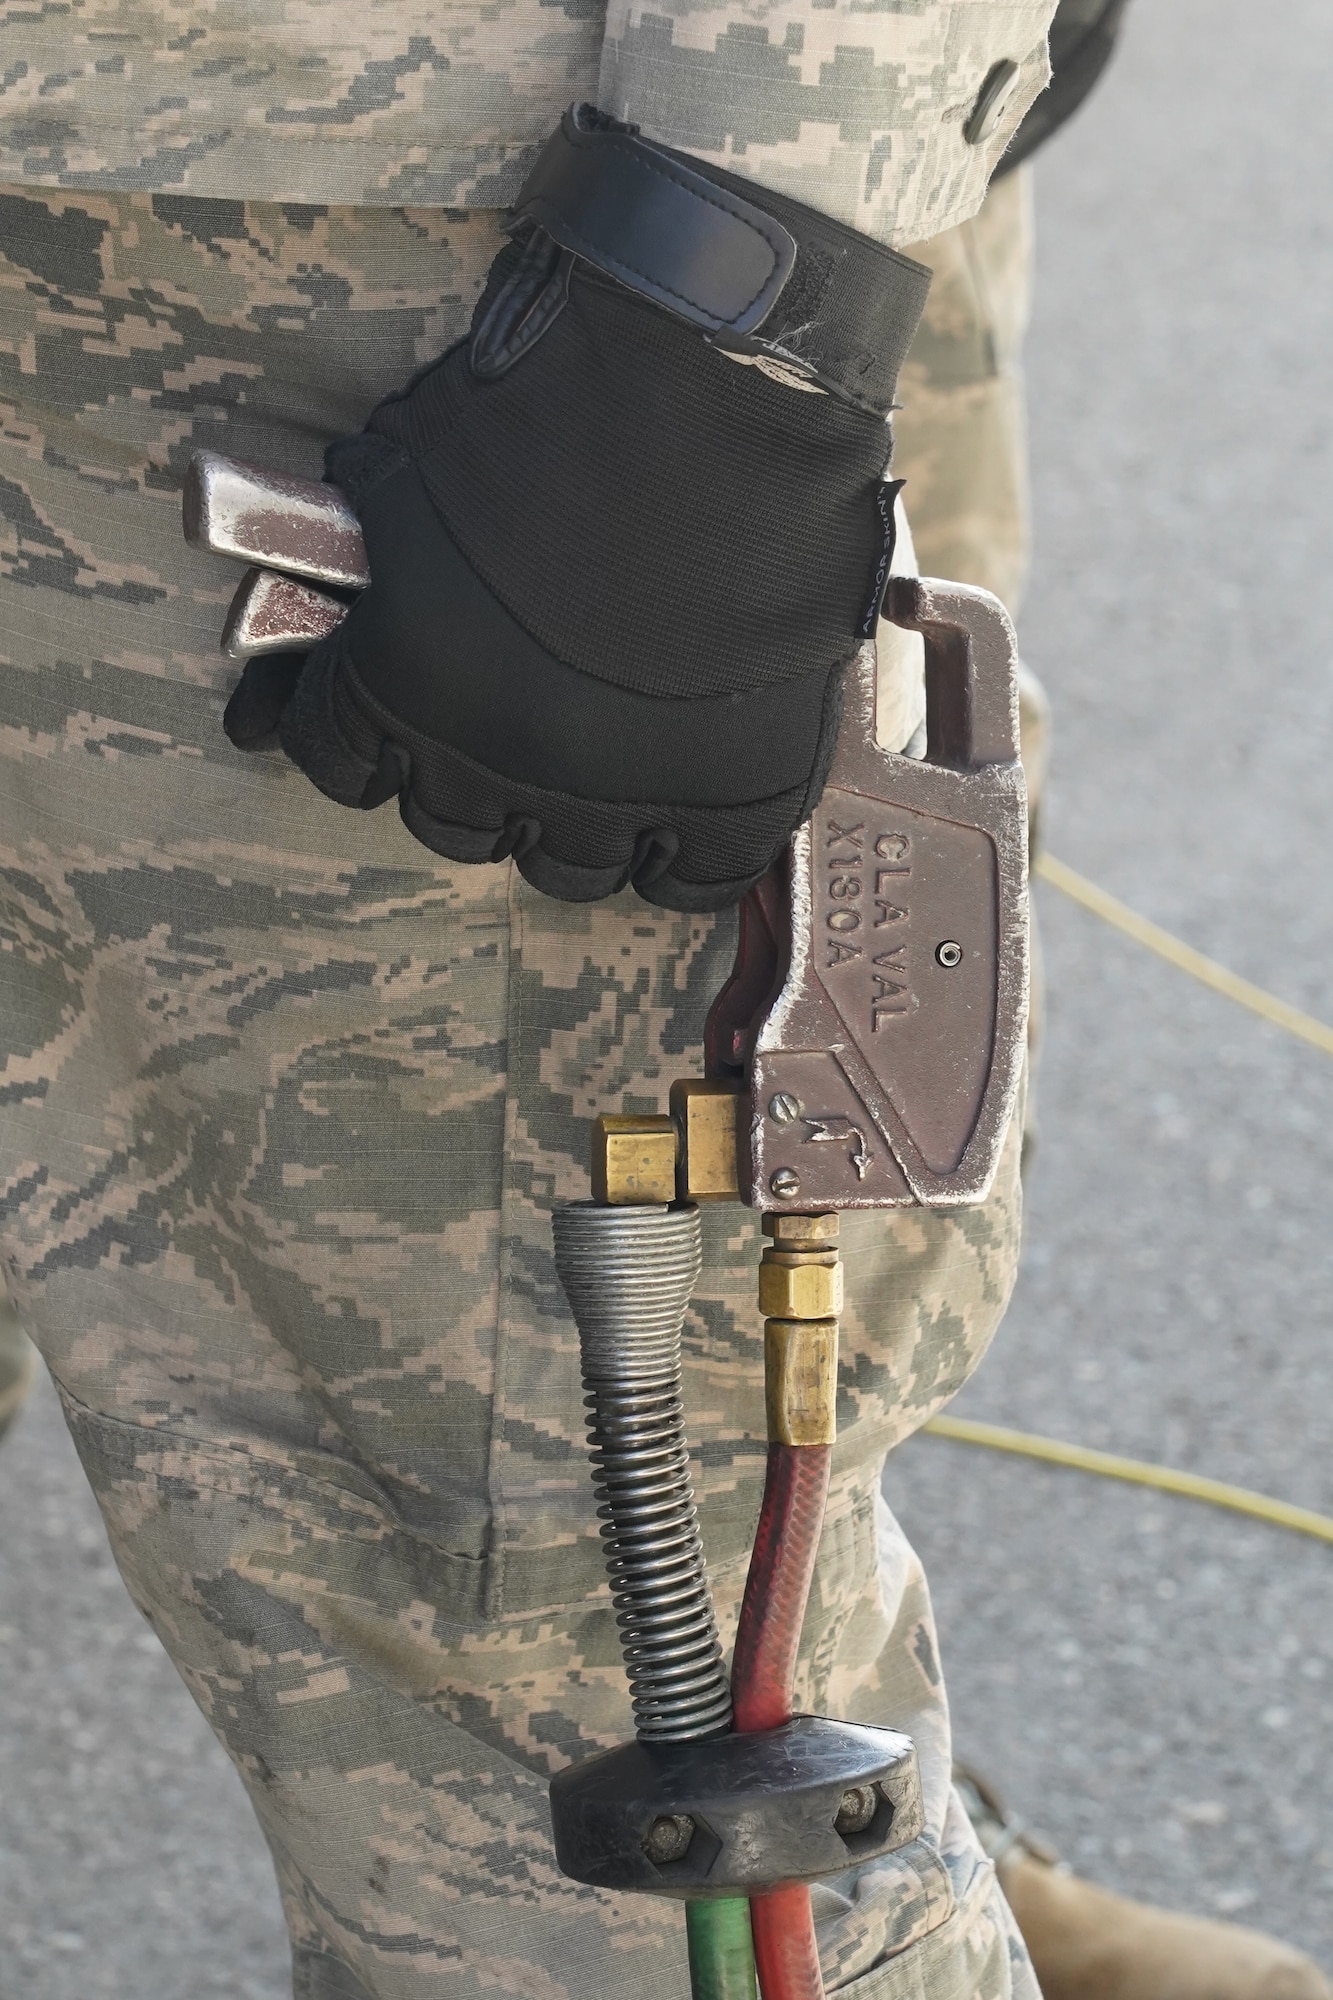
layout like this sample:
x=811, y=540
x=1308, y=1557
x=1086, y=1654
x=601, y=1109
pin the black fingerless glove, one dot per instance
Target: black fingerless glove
x=623, y=540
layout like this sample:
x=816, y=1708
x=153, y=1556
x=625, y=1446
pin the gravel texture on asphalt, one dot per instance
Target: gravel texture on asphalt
x=130, y=1863
x=1149, y=1679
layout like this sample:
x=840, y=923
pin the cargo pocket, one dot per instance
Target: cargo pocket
x=975, y=1953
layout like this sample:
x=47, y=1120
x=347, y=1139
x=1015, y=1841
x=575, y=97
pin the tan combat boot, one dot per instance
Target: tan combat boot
x=1087, y=1944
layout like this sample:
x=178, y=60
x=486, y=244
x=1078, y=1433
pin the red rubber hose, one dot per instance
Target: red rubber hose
x=786, y=1956
x=777, y=1590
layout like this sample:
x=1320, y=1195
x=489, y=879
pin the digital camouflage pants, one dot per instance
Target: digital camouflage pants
x=286, y=1106
x=16, y=1365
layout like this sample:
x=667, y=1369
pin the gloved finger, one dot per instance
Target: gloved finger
x=326, y=743
x=254, y=711
x=578, y=849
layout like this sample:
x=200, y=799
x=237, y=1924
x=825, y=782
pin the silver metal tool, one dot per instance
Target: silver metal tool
x=303, y=527
x=878, y=1007
x=278, y=614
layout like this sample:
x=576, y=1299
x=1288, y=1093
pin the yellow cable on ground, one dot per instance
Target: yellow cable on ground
x=1109, y=1464
x=1183, y=956
x=996, y=1437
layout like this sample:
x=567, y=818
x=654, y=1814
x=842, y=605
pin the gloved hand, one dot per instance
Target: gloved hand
x=623, y=540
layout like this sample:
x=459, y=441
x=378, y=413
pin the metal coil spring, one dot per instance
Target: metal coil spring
x=628, y=1274
x=655, y=1560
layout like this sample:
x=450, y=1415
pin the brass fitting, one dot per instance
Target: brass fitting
x=692, y=1155
x=707, y=1115
x=800, y=1284
x=801, y=1380
x=800, y=1293
x=801, y=1232
x=633, y=1161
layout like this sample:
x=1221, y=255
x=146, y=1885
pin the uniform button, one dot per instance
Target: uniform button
x=991, y=100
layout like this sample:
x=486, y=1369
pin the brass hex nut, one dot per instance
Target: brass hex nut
x=707, y=1115
x=800, y=1284
x=790, y=1231
x=633, y=1161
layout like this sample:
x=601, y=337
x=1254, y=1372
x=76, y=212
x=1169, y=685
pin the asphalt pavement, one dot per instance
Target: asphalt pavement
x=1150, y=1679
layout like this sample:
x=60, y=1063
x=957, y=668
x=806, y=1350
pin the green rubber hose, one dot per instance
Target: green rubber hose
x=721, y=1951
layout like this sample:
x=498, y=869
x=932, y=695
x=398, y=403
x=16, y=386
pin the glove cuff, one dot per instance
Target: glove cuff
x=762, y=276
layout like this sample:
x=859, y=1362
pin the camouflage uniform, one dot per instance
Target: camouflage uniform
x=17, y=1362
x=857, y=106
x=960, y=441
x=287, y=1104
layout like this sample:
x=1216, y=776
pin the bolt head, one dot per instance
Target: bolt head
x=949, y=954
x=668, y=1838
x=858, y=1808
x=786, y=1184
x=783, y=1108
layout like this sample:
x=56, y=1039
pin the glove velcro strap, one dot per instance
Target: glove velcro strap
x=764, y=276
x=656, y=224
